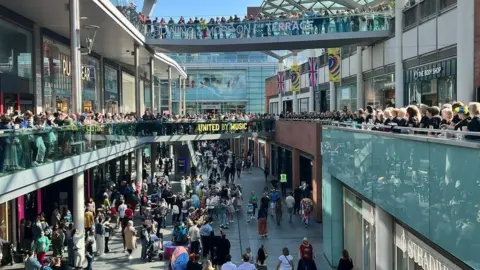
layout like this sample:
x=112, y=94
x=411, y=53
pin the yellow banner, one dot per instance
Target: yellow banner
x=295, y=78
x=334, y=66
x=221, y=127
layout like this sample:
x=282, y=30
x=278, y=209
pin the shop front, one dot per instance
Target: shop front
x=347, y=98
x=57, y=82
x=432, y=84
x=411, y=253
x=111, y=89
x=16, y=68
x=380, y=91
x=128, y=93
x=261, y=154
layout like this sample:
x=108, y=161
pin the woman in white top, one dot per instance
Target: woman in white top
x=285, y=261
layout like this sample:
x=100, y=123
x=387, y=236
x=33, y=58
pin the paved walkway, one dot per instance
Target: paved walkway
x=241, y=235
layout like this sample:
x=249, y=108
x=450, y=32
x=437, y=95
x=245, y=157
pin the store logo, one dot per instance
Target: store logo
x=426, y=72
x=67, y=68
x=420, y=255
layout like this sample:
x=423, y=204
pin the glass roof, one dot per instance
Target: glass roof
x=277, y=7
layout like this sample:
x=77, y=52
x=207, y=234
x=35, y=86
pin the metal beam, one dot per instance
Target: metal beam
x=272, y=54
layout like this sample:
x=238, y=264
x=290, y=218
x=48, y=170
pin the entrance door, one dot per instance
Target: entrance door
x=288, y=106
x=323, y=101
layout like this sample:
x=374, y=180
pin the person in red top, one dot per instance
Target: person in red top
x=129, y=213
x=306, y=250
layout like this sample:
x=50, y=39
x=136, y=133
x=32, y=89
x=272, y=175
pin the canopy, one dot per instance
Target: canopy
x=278, y=7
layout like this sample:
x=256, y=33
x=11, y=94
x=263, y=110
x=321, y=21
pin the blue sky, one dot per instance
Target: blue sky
x=202, y=8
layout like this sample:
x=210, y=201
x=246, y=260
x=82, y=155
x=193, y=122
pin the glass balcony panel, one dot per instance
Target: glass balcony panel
x=430, y=186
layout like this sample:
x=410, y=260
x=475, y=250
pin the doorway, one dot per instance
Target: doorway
x=288, y=106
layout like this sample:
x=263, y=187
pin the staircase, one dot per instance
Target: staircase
x=193, y=156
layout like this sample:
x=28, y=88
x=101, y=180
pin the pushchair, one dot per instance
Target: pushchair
x=155, y=248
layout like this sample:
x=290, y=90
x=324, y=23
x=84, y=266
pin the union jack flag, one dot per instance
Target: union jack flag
x=312, y=71
x=281, y=82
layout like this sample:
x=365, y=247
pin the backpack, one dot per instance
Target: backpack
x=99, y=229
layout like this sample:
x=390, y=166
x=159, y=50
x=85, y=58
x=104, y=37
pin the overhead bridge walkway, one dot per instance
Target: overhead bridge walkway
x=34, y=158
x=264, y=35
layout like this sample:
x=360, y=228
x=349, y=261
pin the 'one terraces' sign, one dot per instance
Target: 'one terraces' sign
x=244, y=28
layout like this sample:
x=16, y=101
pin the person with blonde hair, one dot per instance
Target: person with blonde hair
x=130, y=238
x=474, y=125
x=207, y=265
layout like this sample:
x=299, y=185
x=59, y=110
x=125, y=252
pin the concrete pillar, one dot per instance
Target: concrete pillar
x=79, y=212
x=294, y=94
x=152, y=77
x=295, y=168
x=76, y=57
x=184, y=96
x=267, y=157
x=280, y=94
x=139, y=165
x=180, y=101
x=256, y=155
x=130, y=167
x=311, y=89
x=245, y=148
x=333, y=97
x=465, y=51
x=138, y=95
x=169, y=71
x=399, y=93
x=153, y=153
x=384, y=239
x=100, y=107
x=360, y=86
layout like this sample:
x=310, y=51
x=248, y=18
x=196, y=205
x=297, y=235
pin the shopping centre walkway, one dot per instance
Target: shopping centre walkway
x=241, y=235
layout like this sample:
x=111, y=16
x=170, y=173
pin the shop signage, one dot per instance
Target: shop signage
x=242, y=28
x=419, y=73
x=67, y=68
x=210, y=107
x=418, y=251
x=221, y=127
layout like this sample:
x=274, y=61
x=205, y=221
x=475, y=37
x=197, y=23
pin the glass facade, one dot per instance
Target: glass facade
x=433, y=194
x=128, y=93
x=380, y=91
x=236, y=80
x=16, y=70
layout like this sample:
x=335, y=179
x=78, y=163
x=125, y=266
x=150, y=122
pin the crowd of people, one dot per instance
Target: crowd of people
x=319, y=21
x=456, y=116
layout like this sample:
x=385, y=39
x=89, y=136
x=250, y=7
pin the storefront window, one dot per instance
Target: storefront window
x=57, y=85
x=380, y=91
x=359, y=230
x=128, y=93
x=16, y=66
x=446, y=88
x=111, y=89
x=347, y=98
x=273, y=108
x=303, y=105
x=90, y=83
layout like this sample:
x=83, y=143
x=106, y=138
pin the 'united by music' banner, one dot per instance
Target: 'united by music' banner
x=334, y=64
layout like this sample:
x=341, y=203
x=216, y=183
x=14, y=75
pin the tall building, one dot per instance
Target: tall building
x=224, y=82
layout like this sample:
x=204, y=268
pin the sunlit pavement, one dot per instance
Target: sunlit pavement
x=240, y=233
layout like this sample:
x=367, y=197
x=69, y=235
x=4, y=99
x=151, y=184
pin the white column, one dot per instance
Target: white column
x=139, y=165
x=138, y=95
x=180, y=100
x=153, y=153
x=78, y=214
x=294, y=94
x=76, y=57
x=311, y=89
x=384, y=240
x=399, y=93
x=169, y=71
x=360, y=88
x=333, y=97
x=152, y=93
x=184, y=96
x=280, y=99
x=465, y=51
